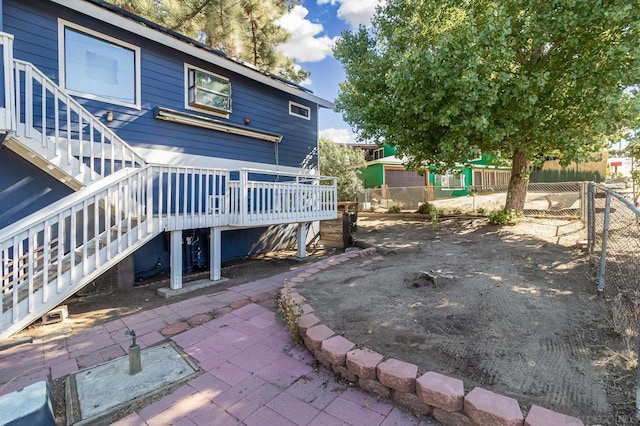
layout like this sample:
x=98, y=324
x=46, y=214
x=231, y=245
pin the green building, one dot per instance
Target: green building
x=384, y=169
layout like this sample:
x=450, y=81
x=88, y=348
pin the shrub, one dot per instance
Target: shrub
x=424, y=208
x=394, y=209
x=503, y=217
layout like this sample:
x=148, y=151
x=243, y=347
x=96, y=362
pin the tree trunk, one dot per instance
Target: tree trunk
x=517, y=191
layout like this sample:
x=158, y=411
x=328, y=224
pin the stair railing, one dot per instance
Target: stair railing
x=49, y=255
x=7, y=117
x=64, y=127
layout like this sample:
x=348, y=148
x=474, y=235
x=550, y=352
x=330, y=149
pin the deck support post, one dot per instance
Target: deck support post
x=175, y=281
x=301, y=238
x=215, y=248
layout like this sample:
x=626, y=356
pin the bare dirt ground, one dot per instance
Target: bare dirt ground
x=514, y=310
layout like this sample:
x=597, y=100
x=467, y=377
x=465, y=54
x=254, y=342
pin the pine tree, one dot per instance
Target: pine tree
x=243, y=29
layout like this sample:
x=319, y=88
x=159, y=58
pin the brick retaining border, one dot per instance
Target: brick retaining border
x=432, y=393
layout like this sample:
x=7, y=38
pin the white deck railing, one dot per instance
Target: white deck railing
x=263, y=198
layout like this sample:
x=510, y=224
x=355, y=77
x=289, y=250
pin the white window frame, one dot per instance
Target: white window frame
x=291, y=103
x=447, y=178
x=210, y=111
x=62, y=24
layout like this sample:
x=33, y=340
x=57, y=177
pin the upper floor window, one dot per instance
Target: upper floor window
x=96, y=66
x=299, y=110
x=209, y=91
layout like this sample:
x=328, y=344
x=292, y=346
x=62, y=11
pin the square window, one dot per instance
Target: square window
x=299, y=110
x=451, y=180
x=209, y=91
x=96, y=66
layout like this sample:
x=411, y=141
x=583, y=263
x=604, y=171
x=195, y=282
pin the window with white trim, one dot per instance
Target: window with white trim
x=208, y=91
x=451, y=180
x=299, y=110
x=96, y=66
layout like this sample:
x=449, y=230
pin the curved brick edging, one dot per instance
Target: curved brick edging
x=432, y=393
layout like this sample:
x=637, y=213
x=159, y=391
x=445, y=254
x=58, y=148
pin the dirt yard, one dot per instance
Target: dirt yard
x=511, y=309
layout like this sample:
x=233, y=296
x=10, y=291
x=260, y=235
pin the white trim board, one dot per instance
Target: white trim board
x=179, y=159
x=134, y=27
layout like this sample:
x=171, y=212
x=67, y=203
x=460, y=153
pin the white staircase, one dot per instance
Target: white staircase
x=120, y=202
x=54, y=132
x=48, y=256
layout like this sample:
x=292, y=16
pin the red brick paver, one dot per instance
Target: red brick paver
x=539, y=416
x=174, y=329
x=398, y=375
x=486, y=407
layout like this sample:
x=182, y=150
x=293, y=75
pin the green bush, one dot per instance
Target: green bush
x=424, y=208
x=503, y=217
x=481, y=211
x=394, y=209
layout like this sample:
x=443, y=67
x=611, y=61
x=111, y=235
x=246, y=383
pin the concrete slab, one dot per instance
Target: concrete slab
x=167, y=292
x=108, y=386
x=32, y=405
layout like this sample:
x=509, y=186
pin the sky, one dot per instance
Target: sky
x=315, y=25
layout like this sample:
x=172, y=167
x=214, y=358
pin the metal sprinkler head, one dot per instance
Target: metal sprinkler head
x=131, y=333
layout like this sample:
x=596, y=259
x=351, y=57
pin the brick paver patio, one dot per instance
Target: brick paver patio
x=252, y=372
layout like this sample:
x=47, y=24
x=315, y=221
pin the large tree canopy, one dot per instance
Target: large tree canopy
x=517, y=79
x=244, y=29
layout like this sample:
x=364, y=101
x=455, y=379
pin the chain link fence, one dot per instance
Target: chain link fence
x=544, y=199
x=614, y=239
x=613, y=225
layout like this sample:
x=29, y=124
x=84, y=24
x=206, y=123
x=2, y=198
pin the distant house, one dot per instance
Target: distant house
x=130, y=148
x=384, y=169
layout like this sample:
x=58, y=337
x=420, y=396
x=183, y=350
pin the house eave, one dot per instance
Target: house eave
x=100, y=12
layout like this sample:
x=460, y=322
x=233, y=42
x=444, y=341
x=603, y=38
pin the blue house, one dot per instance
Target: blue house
x=123, y=141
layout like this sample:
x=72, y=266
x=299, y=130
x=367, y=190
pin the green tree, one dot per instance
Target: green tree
x=516, y=79
x=244, y=29
x=632, y=150
x=345, y=163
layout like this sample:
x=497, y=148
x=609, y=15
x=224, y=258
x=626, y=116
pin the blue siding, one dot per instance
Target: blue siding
x=154, y=257
x=34, y=25
x=24, y=188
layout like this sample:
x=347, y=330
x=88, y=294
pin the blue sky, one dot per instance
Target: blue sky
x=315, y=25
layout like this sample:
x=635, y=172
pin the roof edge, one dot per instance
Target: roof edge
x=135, y=24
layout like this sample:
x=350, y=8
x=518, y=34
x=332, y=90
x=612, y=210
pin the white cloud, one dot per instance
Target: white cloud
x=355, y=12
x=338, y=135
x=305, y=45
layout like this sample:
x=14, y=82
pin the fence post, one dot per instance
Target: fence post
x=583, y=188
x=638, y=378
x=605, y=237
x=591, y=217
